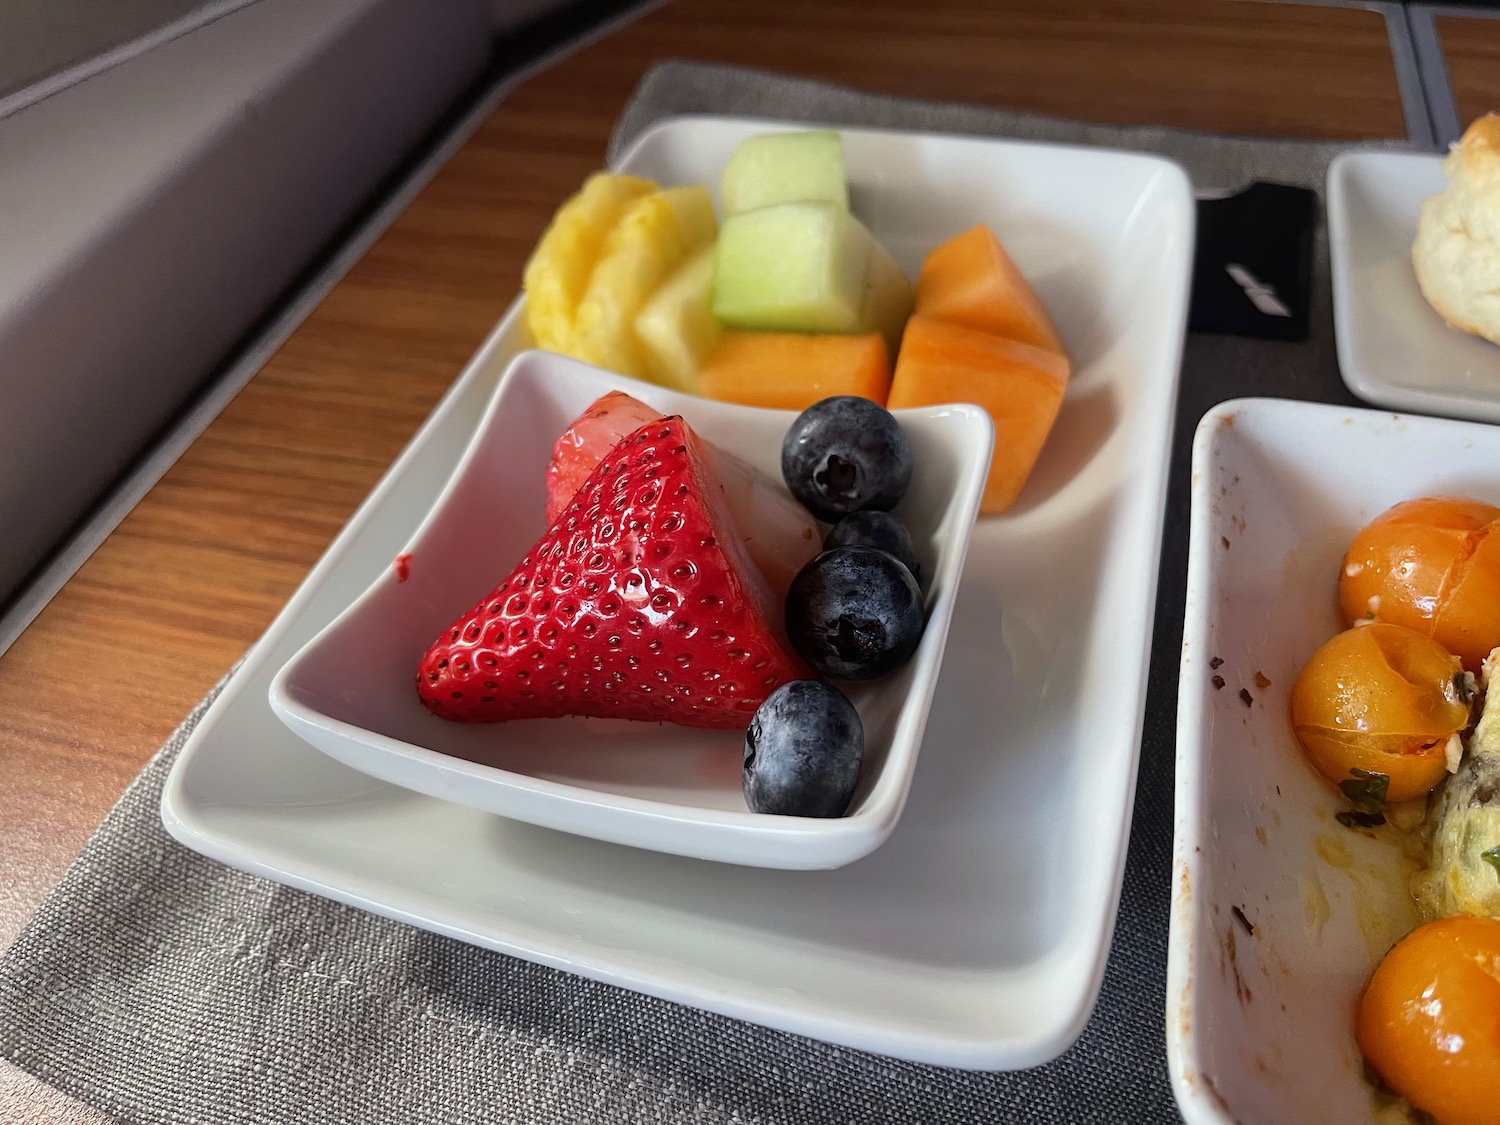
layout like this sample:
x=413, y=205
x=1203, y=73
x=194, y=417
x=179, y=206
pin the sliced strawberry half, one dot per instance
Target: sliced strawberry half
x=588, y=441
x=778, y=532
x=638, y=603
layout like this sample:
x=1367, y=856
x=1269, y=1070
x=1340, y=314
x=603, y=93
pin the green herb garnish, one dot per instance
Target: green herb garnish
x=1366, y=791
x=1492, y=857
x=1359, y=819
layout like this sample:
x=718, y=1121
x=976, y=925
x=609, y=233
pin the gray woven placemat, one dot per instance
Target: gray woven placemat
x=162, y=987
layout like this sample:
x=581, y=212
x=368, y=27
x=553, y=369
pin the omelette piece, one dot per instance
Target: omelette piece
x=1464, y=846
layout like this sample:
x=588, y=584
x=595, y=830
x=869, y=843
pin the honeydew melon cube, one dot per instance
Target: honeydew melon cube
x=795, y=267
x=652, y=238
x=676, y=326
x=777, y=168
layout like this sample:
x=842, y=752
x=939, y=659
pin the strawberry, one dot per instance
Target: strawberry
x=639, y=602
x=777, y=531
x=587, y=441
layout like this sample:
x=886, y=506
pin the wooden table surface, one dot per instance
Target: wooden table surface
x=1471, y=48
x=202, y=565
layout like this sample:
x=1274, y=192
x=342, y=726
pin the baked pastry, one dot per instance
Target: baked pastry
x=1457, y=249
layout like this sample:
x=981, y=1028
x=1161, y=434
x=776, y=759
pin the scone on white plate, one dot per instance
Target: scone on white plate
x=1457, y=250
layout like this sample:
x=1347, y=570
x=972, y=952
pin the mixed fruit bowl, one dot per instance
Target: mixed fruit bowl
x=659, y=593
x=634, y=655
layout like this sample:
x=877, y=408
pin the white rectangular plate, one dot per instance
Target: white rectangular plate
x=976, y=936
x=1260, y=1011
x=1394, y=349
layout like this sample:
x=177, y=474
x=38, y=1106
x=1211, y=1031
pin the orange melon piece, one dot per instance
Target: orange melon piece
x=970, y=280
x=1020, y=385
x=793, y=370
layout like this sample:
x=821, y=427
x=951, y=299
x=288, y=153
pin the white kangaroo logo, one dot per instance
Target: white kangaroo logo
x=1261, y=295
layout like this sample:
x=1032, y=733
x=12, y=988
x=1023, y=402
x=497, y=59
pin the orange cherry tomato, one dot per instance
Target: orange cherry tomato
x=1380, y=699
x=1432, y=565
x=1429, y=1021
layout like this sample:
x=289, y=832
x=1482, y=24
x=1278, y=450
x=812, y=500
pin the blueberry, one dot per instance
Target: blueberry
x=854, y=613
x=880, y=530
x=845, y=454
x=802, y=751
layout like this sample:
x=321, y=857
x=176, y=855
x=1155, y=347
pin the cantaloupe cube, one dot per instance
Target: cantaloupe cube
x=676, y=327
x=559, y=268
x=777, y=168
x=970, y=280
x=791, y=371
x=1020, y=385
x=653, y=237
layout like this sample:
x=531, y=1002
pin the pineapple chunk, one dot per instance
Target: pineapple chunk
x=564, y=258
x=654, y=236
x=888, y=298
x=676, y=327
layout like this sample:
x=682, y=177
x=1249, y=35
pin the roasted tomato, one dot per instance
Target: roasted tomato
x=1429, y=1022
x=1432, y=565
x=1380, y=701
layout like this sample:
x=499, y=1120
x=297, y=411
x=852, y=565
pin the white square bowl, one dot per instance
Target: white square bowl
x=1279, y=913
x=976, y=935
x=351, y=691
x=1394, y=349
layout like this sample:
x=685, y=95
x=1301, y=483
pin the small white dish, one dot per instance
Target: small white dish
x=1394, y=349
x=1279, y=913
x=351, y=690
x=974, y=937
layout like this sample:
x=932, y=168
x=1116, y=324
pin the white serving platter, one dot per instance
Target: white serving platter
x=675, y=789
x=1394, y=349
x=976, y=936
x=1260, y=1006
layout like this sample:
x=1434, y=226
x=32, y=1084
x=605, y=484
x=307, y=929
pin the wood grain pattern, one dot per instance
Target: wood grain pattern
x=201, y=566
x=1471, y=48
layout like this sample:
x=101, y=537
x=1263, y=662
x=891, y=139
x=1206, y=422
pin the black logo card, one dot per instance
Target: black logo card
x=1252, y=270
